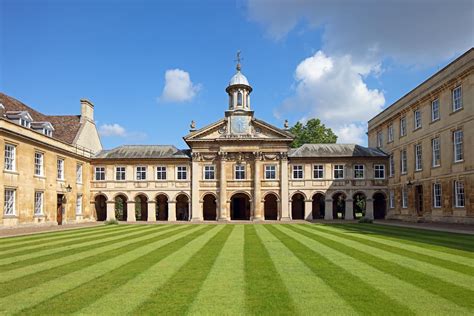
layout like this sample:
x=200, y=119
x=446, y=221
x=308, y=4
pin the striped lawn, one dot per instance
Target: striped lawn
x=290, y=269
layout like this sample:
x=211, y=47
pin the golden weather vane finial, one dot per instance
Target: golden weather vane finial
x=238, y=60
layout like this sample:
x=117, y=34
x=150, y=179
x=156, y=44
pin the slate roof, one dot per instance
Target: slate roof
x=143, y=152
x=335, y=150
x=66, y=127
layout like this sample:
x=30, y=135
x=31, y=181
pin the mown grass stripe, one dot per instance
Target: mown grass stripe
x=401, y=244
x=139, y=288
x=57, y=246
x=361, y=296
x=186, y=283
x=225, y=282
x=265, y=292
x=61, y=268
x=48, y=292
x=445, y=264
x=456, y=294
x=312, y=295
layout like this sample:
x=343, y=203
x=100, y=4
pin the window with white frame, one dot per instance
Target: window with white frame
x=437, y=195
x=435, y=110
x=239, y=172
x=79, y=204
x=417, y=118
x=9, y=202
x=39, y=163
x=140, y=173
x=24, y=122
x=391, y=200
x=298, y=172
x=390, y=133
x=161, y=173
x=270, y=172
x=459, y=194
x=209, y=172
x=391, y=164
x=435, y=152
x=60, y=167
x=318, y=172
x=359, y=171
x=403, y=161
x=79, y=173
x=10, y=157
x=47, y=132
x=379, y=171
x=403, y=126
x=458, y=141
x=418, y=157
x=338, y=171
x=457, y=98
x=99, y=173
x=120, y=173
x=38, y=203
x=182, y=172
x=379, y=139
x=404, y=197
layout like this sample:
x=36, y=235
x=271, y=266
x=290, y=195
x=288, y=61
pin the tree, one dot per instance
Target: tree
x=313, y=132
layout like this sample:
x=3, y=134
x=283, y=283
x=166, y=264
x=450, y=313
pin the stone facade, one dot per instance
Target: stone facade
x=439, y=145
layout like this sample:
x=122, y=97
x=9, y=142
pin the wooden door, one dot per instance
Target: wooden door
x=59, y=210
x=419, y=199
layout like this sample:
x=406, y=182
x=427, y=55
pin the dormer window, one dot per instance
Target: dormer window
x=47, y=132
x=45, y=128
x=25, y=122
x=22, y=118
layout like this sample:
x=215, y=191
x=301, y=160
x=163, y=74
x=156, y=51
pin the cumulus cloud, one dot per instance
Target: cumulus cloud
x=415, y=31
x=108, y=130
x=178, y=87
x=333, y=89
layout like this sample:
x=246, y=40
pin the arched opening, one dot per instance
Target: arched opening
x=359, y=201
x=209, y=207
x=182, y=208
x=121, y=207
x=239, y=98
x=319, y=206
x=380, y=205
x=141, y=208
x=338, y=206
x=101, y=207
x=270, y=207
x=161, y=207
x=297, y=206
x=240, y=207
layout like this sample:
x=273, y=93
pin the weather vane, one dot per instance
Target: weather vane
x=238, y=60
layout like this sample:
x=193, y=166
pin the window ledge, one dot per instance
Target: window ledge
x=436, y=167
x=38, y=215
x=459, y=161
x=11, y=171
x=40, y=177
x=456, y=111
x=10, y=216
x=435, y=121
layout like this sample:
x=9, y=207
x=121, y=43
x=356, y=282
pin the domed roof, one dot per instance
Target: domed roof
x=239, y=78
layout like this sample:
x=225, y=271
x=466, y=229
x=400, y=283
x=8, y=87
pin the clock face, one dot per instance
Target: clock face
x=240, y=124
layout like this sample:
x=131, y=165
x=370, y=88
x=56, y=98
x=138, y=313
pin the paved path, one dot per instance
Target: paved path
x=28, y=230
x=443, y=227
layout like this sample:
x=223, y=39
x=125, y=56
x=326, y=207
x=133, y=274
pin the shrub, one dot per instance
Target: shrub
x=111, y=222
x=366, y=220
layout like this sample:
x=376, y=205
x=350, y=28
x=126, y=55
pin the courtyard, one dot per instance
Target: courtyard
x=238, y=269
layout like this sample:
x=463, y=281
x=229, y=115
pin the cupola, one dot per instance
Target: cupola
x=239, y=90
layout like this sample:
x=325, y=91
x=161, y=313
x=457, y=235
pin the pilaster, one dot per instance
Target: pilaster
x=151, y=211
x=196, y=211
x=349, y=214
x=369, y=208
x=284, y=189
x=257, y=192
x=328, y=209
x=131, y=211
x=308, y=210
x=111, y=210
x=222, y=211
x=172, y=211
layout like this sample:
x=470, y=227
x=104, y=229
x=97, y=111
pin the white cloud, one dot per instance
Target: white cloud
x=178, y=87
x=333, y=89
x=108, y=130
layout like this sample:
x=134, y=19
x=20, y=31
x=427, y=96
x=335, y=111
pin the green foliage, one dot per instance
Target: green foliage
x=313, y=132
x=119, y=208
x=365, y=220
x=111, y=222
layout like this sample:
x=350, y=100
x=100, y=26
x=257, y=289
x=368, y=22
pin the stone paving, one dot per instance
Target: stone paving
x=30, y=229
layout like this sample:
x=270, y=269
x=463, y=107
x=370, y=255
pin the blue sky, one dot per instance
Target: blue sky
x=340, y=62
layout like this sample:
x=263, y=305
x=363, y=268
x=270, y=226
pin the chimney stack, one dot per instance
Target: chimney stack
x=87, y=110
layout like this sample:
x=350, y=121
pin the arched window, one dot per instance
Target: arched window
x=239, y=98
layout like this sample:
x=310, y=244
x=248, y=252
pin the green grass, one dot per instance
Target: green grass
x=230, y=269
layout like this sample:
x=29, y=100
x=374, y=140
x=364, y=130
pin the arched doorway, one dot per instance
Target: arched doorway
x=141, y=208
x=319, y=205
x=338, y=205
x=297, y=206
x=101, y=207
x=380, y=205
x=182, y=208
x=270, y=207
x=240, y=207
x=209, y=207
x=161, y=207
x=359, y=201
x=121, y=207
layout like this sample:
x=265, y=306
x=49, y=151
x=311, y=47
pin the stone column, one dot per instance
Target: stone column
x=349, y=214
x=257, y=196
x=308, y=210
x=111, y=210
x=369, y=208
x=172, y=211
x=284, y=187
x=222, y=211
x=196, y=211
x=151, y=211
x=131, y=211
x=328, y=209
